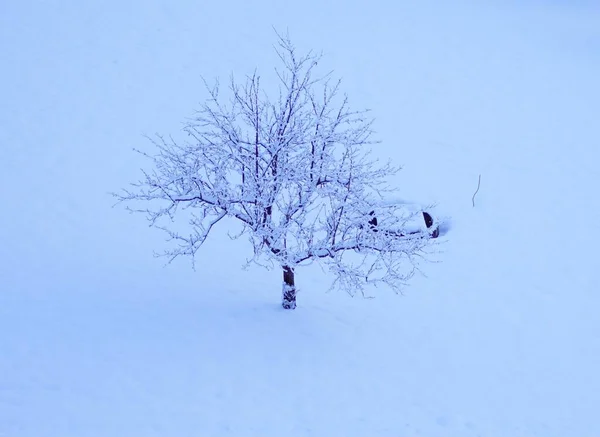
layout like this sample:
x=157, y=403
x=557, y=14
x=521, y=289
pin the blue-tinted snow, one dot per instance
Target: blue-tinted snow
x=501, y=338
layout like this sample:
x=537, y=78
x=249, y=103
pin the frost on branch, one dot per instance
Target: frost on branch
x=294, y=169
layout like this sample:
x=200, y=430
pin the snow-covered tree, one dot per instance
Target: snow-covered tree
x=294, y=169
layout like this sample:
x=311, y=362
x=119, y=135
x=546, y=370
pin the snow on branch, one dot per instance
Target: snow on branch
x=294, y=169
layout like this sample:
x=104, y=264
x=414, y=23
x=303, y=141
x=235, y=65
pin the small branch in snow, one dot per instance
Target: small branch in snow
x=476, y=191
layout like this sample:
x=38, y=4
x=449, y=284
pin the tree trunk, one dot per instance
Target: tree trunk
x=289, y=289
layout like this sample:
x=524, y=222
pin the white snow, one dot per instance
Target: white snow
x=502, y=336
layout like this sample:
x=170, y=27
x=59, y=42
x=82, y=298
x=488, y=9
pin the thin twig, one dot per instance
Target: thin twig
x=476, y=191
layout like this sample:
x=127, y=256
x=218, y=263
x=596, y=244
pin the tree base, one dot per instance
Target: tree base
x=289, y=289
x=288, y=305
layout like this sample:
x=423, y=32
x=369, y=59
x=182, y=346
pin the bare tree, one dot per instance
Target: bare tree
x=294, y=170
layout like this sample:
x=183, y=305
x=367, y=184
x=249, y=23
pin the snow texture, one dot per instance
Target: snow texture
x=500, y=338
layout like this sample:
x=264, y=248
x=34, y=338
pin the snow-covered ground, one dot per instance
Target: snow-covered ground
x=502, y=338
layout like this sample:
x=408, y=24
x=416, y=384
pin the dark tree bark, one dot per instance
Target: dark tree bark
x=289, y=289
x=373, y=221
x=429, y=223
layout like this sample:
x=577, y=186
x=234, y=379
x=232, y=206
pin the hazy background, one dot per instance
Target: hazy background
x=500, y=338
x=80, y=83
